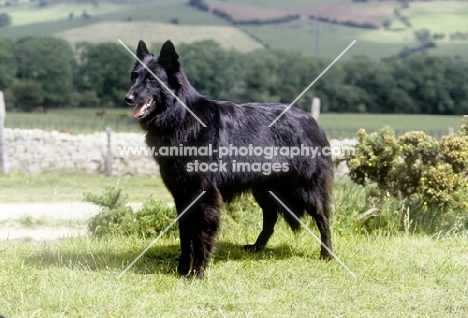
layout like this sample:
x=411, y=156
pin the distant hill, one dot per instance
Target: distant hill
x=312, y=27
x=157, y=32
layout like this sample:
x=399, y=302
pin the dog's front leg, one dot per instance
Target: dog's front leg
x=205, y=225
x=185, y=234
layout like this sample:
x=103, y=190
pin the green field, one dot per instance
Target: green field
x=157, y=32
x=336, y=125
x=79, y=120
x=450, y=16
x=399, y=274
x=441, y=17
x=375, y=121
x=333, y=39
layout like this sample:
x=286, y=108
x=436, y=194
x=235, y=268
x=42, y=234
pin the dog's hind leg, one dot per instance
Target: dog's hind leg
x=270, y=216
x=323, y=225
x=319, y=210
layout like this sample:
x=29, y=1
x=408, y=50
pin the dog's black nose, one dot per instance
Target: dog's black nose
x=129, y=99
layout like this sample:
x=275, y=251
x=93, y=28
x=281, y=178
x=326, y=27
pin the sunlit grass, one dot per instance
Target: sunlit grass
x=397, y=276
x=50, y=187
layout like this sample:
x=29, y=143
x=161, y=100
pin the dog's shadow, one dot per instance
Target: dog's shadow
x=159, y=259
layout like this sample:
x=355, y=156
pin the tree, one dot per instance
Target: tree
x=213, y=71
x=48, y=61
x=27, y=94
x=107, y=70
x=7, y=63
x=5, y=20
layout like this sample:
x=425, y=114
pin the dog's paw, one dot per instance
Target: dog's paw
x=253, y=248
x=326, y=256
x=183, y=269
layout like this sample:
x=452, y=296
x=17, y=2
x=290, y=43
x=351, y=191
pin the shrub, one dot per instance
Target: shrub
x=154, y=217
x=117, y=218
x=426, y=175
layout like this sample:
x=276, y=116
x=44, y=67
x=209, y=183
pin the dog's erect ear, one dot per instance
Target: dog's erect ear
x=142, y=51
x=168, y=56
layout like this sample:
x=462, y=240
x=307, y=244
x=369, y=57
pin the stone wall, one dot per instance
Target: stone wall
x=35, y=151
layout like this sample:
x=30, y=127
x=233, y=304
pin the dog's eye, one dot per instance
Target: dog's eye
x=150, y=77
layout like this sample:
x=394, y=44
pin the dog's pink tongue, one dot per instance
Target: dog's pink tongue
x=137, y=110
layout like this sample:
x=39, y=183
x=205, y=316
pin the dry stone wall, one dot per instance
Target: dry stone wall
x=36, y=151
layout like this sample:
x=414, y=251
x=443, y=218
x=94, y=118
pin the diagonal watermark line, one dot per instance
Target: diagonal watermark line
x=160, y=235
x=315, y=236
x=162, y=83
x=307, y=88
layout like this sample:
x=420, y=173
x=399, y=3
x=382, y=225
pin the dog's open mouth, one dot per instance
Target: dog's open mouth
x=141, y=110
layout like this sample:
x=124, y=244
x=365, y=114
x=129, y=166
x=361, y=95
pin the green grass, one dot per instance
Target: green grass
x=396, y=276
x=152, y=10
x=450, y=16
x=50, y=187
x=28, y=19
x=84, y=120
x=275, y=4
x=375, y=121
x=299, y=36
x=340, y=126
x=156, y=32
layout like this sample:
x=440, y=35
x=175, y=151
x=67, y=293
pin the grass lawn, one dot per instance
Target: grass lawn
x=397, y=276
x=50, y=187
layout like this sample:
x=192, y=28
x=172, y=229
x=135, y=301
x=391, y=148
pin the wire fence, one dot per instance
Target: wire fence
x=73, y=123
x=90, y=121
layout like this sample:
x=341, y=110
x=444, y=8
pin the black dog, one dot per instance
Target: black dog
x=303, y=183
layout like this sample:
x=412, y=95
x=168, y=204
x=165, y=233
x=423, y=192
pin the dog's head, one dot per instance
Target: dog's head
x=147, y=93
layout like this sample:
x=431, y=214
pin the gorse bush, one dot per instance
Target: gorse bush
x=116, y=217
x=426, y=175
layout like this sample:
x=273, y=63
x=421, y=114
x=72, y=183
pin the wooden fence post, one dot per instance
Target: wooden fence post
x=315, y=111
x=109, y=152
x=3, y=154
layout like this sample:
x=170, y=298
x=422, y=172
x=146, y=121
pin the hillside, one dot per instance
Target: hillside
x=312, y=27
x=157, y=32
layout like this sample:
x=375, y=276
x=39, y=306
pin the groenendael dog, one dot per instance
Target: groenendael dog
x=303, y=183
